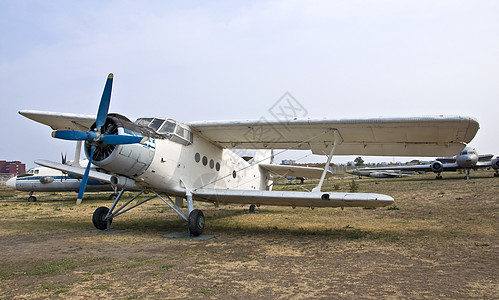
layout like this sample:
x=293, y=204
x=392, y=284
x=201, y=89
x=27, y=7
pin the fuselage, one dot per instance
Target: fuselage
x=176, y=160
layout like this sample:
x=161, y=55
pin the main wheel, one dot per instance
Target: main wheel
x=112, y=196
x=99, y=218
x=31, y=199
x=252, y=209
x=196, y=222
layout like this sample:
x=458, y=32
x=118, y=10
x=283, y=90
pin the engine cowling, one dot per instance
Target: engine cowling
x=495, y=163
x=437, y=167
x=130, y=160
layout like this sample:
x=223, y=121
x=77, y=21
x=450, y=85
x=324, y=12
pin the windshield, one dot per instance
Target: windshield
x=168, y=128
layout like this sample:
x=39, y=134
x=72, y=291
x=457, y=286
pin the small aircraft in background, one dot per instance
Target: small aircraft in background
x=468, y=159
x=196, y=161
x=43, y=179
x=378, y=174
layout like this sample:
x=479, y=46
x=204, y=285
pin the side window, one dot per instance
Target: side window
x=179, y=131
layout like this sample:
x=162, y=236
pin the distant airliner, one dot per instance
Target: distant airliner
x=378, y=174
x=467, y=159
x=43, y=179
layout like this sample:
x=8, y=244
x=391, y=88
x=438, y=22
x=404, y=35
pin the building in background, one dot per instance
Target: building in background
x=11, y=168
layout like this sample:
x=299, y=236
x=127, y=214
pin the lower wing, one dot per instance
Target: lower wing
x=288, y=198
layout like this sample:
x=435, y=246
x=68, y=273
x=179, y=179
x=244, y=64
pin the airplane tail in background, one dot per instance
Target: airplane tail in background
x=264, y=157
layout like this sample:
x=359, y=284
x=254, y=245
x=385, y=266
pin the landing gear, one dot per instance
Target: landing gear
x=103, y=216
x=196, y=222
x=112, y=196
x=99, y=218
x=438, y=176
x=467, y=176
x=31, y=198
x=252, y=208
x=496, y=175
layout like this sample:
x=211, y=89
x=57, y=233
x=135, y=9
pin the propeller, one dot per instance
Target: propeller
x=95, y=137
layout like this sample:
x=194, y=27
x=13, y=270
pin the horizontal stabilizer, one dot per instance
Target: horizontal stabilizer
x=288, y=198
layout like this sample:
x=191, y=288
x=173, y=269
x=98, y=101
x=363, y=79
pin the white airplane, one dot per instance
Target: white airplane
x=194, y=161
x=378, y=174
x=468, y=159
x=43, y=179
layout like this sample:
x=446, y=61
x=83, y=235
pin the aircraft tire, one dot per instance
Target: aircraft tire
x=31, y=199
x=252, y=209
x=196, y=222
x=99, y=216
x=112, y=197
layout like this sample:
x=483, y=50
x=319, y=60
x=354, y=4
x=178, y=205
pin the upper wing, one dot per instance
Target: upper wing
x=295, y=171
x=425, y=136
x=60, y=121
x=287, y=198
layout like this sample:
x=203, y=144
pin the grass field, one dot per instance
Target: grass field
x=440, y=240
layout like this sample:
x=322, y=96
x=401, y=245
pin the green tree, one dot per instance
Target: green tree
x=359, y=161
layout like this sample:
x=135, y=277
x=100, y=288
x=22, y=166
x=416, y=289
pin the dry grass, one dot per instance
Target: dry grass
x=440, y=241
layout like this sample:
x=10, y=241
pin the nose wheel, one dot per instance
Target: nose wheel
x=196, y=222
x=99, y=218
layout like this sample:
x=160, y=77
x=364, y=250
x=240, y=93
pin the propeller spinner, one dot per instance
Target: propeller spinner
x=95, y=137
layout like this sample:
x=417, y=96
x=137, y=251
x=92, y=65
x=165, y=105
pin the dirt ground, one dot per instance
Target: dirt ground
x=440, y=240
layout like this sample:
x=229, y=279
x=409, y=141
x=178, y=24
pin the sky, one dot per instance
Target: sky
x=219, y=60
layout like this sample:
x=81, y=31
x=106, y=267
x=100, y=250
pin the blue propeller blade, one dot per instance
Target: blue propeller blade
x=71, y=135
x=115, y=139
x=84, y=181
x=104, y=102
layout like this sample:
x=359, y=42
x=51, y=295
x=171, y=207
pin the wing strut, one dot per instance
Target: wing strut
x=326, y=167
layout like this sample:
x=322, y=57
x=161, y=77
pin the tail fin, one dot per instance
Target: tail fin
x=264, y=157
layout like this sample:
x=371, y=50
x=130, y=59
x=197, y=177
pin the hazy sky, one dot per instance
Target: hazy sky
x=200, y=60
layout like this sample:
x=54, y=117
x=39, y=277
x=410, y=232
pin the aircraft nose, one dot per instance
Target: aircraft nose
x=465, y=161
x=11, y=182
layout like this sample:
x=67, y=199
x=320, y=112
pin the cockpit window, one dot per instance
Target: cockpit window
x=464, y=152
x=155, y=124
x=168, y=127
x=179, y=131
x=143, y=121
